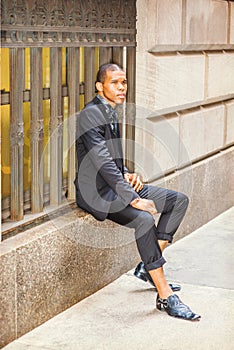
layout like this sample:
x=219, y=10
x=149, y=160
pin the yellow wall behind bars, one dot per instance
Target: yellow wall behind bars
x=5, y=124
x=5, y=117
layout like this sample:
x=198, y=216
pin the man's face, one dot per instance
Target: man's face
x=114, y=88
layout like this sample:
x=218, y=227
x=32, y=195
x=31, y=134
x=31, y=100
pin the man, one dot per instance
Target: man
x=106, y=189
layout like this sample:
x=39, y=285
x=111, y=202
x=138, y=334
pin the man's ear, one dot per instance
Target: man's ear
x=99, y=86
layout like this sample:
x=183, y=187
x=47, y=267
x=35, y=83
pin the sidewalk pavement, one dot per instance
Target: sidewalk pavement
x=123, y=315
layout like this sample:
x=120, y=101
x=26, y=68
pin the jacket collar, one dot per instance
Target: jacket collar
x=109, y=109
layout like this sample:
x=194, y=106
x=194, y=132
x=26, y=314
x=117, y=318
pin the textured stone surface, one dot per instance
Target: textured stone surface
x=158, y=22
x=217, y=236
x=50, y=267
x=206, y=21
x=201, y=133
x=164, y=144
x=7, y=298
x=179, y=80
x=209, y=185
x=145, y=80
x=163, y=22
x=157, y=146
x=123, y=316
x=47, y=280
x=231, y=23
x=169, y=81
x=230, y=123
x=151, y=11
x=223, y=65
x=169, y=22
x=142, y=25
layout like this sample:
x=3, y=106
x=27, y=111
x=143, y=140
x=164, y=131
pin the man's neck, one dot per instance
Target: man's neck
x=105, y=102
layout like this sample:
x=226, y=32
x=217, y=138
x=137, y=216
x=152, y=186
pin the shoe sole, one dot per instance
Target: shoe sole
x=197, y=318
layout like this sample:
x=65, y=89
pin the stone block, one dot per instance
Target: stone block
x=157, y=147
x=152, y=24
x=220, y=75
x=7, y=298
x=206, y=22
x=169, y=22
x=142, y=25
x=145, y=81
x=47, y=280
x=158, y=22
x=230, y=123
x=202, y=133
x=231, y=23
x=170, y=81
x=179, y=80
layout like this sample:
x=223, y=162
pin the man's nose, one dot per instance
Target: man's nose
x=120, y=86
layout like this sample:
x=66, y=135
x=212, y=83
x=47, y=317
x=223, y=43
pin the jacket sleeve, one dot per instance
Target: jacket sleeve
x=91, y=131
x=125, y=170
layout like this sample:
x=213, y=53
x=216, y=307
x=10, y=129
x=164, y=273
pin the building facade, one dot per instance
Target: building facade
x=184, y=97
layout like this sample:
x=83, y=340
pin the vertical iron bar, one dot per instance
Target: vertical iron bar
x=105, y=55
x=56, y=126
x=130, y=108
x=36, y=130
x=16, y=131
x=118, y=56
x=73, y=108
x=89, y=73
x=118, y=59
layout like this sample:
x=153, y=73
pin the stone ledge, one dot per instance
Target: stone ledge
x=161, y=49
x=48, y=268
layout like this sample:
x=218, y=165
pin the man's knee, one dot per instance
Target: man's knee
x=146, y=222
x=182, y=200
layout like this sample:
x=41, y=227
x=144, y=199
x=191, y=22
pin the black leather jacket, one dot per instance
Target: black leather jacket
x=99, y=180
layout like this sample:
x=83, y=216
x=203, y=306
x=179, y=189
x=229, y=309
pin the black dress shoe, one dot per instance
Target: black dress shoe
x=174, y=307
x=141, y=273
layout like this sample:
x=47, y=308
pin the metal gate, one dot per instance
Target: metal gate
x=78, y=36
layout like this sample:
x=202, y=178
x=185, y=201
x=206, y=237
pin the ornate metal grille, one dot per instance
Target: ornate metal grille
x=105, y=32
x=75, y=23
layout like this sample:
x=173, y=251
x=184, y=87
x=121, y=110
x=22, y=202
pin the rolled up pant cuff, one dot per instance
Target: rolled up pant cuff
x=156, y=264
x=164, y=237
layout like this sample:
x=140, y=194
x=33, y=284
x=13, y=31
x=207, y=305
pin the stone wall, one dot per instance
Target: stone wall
x=171, y=22
x=185, y=93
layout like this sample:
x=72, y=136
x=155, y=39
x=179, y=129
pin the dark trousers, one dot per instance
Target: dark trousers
x=171, y=204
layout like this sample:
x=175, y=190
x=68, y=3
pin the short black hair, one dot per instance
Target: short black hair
x=101, y=74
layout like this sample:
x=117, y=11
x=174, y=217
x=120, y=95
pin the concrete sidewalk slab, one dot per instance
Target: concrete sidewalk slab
x=123, y=315
x=206, y=256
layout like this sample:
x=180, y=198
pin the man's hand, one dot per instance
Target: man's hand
x=144, y=204
x=134, y=181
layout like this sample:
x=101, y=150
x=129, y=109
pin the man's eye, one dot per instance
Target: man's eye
x=124, y=82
